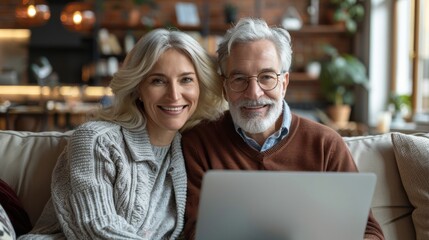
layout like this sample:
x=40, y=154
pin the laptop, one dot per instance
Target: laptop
x=256, y=205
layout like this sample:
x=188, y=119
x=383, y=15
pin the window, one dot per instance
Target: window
x=410, y=66
x=424, y=59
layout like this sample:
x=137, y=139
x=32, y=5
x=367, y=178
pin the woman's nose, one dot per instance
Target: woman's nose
x=173, y=91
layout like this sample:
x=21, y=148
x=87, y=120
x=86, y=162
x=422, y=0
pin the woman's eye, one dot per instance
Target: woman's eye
x=187, y=80
x=158, y=81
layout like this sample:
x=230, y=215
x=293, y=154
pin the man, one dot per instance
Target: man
x=259, y=132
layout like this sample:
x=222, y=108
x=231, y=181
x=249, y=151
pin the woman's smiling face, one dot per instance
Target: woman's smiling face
x=169, y=92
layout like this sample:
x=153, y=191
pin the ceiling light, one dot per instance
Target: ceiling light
x=78, y=16
x=30, y=13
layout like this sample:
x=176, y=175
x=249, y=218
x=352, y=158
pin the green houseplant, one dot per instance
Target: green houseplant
x=349, y=12
x=400, y=106
x=339, y=76
x=230, y=11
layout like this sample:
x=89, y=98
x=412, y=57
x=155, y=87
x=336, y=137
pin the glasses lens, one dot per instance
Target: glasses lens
x=238, y=82
x=267, y=80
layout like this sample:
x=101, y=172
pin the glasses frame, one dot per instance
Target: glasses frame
x=227, y=79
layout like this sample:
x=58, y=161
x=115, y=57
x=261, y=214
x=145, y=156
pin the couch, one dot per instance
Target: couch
x=400, y=161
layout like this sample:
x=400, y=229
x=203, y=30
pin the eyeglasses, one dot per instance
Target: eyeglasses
x=266, y=80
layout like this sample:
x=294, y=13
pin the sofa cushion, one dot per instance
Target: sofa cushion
x=6, y=229
x=27, y=160
x=14, y=210
x=390, y=204
x=412, y=156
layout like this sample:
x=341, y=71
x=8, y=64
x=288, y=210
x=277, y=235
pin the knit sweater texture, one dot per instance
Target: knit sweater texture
x=309, y=146
x=109, y=184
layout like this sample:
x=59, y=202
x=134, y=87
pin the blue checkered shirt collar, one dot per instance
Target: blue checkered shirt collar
x=276, y=137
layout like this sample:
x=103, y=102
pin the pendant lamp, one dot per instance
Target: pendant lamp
x=30, y=13
x=78, y=16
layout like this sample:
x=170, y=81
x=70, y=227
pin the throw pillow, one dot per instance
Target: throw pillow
x=6, y=229
x=13, y=208
x=412, y=157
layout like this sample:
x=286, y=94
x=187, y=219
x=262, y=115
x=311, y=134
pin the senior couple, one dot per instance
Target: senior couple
x=135, y=171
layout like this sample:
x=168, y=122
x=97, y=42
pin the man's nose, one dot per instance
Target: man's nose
x=253, y=91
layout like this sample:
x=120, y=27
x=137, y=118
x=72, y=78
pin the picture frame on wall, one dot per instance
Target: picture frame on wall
x=187, y=14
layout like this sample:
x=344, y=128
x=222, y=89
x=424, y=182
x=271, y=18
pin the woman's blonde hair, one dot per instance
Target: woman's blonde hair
x=127, y=109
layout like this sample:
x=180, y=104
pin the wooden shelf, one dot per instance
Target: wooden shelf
x=24, y=93
x=320, y=29
x=302, y=77
x=123, y=26
x=222, y=28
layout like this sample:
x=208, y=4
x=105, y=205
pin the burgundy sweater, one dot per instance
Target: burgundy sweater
x=309, y=146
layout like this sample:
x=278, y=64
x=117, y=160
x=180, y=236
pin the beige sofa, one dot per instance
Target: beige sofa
x=400, y=202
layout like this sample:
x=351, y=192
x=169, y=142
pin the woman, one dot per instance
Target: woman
x=123, y=176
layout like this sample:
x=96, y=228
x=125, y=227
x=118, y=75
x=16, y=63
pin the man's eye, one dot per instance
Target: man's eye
x=240, y=78
x=266, y=77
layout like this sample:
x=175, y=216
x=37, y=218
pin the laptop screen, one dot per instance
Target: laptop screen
x=284, y=205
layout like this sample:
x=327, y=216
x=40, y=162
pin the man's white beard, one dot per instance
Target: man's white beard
x=253, y=122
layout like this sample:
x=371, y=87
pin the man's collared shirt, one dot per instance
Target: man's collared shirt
x=275, y=137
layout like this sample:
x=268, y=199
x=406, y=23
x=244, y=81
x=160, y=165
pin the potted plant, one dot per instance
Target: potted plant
x=339, y=76
x=149, y=12
x=399, y=106
x=348, y=12
x=230, y=11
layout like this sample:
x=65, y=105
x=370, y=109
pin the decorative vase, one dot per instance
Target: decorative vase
x=339, y=114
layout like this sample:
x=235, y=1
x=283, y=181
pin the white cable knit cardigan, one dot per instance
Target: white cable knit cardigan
x=102, y=186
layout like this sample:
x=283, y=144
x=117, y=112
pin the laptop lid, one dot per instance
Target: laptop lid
x=256, y=205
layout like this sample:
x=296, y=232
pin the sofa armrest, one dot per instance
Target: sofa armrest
x=27, y=161
x=390, y=206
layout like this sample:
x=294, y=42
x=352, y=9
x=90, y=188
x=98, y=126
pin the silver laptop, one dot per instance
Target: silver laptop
x=256, y=205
